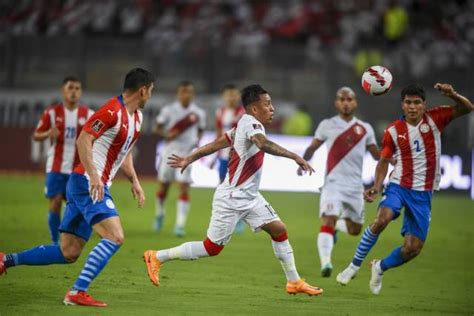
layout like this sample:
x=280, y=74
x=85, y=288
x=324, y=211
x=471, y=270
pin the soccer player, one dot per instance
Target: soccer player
x=227, y=117
x=181, y=124
x=341, y=205
x=61, y=123
x=414, y=141
x=104, y=146
x=238, y=197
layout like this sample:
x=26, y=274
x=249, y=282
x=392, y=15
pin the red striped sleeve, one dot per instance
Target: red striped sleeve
x=103, y=119
x=441, y=115
x=388, y=146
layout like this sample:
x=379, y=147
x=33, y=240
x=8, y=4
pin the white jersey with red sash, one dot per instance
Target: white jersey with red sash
x=226, y=119
x=346, y=143
x=115, y=132
x=417, y=149
x=62, y=155
x=245, y=164
x=186, y=121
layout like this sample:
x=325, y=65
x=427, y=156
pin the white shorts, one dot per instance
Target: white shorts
x=168, y=174
x=338, y=201
x=225, y=216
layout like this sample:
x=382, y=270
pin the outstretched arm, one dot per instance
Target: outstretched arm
x=129, y=170
x=272, y=148
x=309, y=152
x=176, y=161
x=463, y=105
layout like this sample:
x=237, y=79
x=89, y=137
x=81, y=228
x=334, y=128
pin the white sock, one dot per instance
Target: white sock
x=160, y=207
x=354, y=267
x=188, y=251
x=182, y=210
x=325, y=245
x=341, y=225
x=284, y=252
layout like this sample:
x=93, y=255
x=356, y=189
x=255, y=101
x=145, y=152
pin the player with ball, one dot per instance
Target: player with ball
x=414, y=142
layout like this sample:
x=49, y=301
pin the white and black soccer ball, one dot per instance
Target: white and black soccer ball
x=377, y=80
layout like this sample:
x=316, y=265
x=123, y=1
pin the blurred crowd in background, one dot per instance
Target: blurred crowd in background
x=421, y=33
x=302, y=51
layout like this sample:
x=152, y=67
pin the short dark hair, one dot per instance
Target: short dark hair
x=184, y=83
x=229, y=86
x=70, y=78
x=251, y=94
x=137, y=78
x=414, y=89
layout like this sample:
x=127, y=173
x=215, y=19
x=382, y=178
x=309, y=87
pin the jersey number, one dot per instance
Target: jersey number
x=417, y=144
x=70, y=132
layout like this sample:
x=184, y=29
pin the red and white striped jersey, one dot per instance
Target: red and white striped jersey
x=417, y=149
x=115, y=132
x=347, y=143
x=62, y=155
x=226, y=119
x=246, y=160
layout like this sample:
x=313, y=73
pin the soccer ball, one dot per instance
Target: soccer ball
x=377, y=80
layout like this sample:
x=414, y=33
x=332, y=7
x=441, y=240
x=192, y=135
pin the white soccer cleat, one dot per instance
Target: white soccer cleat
x=375, y=283
x=347, y=275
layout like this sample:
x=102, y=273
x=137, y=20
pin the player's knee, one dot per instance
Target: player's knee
x=71, y=254
x=354, y=230
x=211, y=248
x=55, y=204
x=379, y=224
x=411, y=249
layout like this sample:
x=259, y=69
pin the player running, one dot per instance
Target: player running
x=414, y=141
x=61, y=123
x=341, y=205
x=104, y=146
x=181, y=124
x=238, y=197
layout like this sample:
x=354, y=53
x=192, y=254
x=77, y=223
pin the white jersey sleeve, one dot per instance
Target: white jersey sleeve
x=202, y=120
x=163, y=116
x=370, y=139
x=321, y=130
x=253, y=127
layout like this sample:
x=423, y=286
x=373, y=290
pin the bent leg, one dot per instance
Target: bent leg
x=111, y=231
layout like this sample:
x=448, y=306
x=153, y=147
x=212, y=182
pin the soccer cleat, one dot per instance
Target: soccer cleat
x=159, y=223
x=153, y=266
x=3, y=267
x=347, y=275
x=74, y=297
x=375, y=283
x=326, y=270
x=179, y=231
x=301, y=286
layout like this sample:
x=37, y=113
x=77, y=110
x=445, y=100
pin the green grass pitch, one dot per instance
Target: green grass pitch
x=245, y=278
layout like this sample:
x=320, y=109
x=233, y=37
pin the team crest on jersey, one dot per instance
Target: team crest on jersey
x=358, y=130
x=193, y=118
x=97, y=126
x=81, y=121
x=257, y=126
x=424, y=128
x=110, y=204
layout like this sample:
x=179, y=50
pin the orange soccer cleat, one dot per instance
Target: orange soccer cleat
x=301, y=286
x=74, y=297
x=153, y=266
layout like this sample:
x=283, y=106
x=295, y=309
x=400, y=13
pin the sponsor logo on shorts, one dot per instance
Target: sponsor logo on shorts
x=110, y=204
